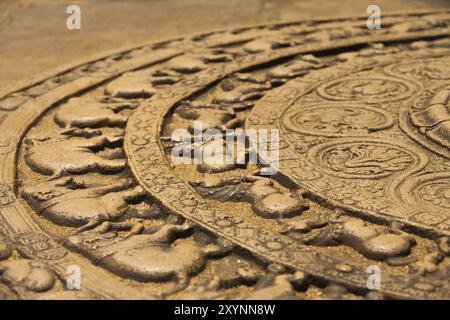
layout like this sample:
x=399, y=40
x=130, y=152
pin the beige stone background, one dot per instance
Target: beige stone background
x=34, y=37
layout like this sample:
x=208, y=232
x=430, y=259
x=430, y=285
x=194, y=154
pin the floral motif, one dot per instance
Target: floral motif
x=374, y=89
x=364, y=159
x=337, y=120
x=435, y=69
x=436, y=192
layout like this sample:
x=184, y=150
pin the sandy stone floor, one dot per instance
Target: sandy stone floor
x=34, y=38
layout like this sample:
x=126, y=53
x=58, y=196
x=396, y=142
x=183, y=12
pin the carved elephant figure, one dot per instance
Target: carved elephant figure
x=267, y=199
x=82, y=113
x=62, y=155
x=58, y=202
x=148, y=257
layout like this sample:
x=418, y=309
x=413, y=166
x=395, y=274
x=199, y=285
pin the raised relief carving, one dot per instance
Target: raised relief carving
x=7, y=196
x=363, y=173
x=337, y=120
x=57, y=156
x=362, y=159
x=71, y=202
x=366, y=89
x=148, y=257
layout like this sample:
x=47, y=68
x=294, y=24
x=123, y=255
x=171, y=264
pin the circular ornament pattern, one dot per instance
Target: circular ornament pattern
x=368, y=89
x=336, y=120
x=362, y=159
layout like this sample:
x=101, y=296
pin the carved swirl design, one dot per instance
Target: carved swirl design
x=361, y=159
x=436, y=193
x=179, y=197
x=434, y=69
x=339, y=158
x=429, y=189
x=431, y=192
x=338, y=120
x=368, y=89
x=427, y=120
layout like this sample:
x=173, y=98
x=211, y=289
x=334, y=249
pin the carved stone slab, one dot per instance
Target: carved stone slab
x=92, y=204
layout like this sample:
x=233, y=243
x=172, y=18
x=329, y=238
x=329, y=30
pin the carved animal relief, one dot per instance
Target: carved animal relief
x=88, y=179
